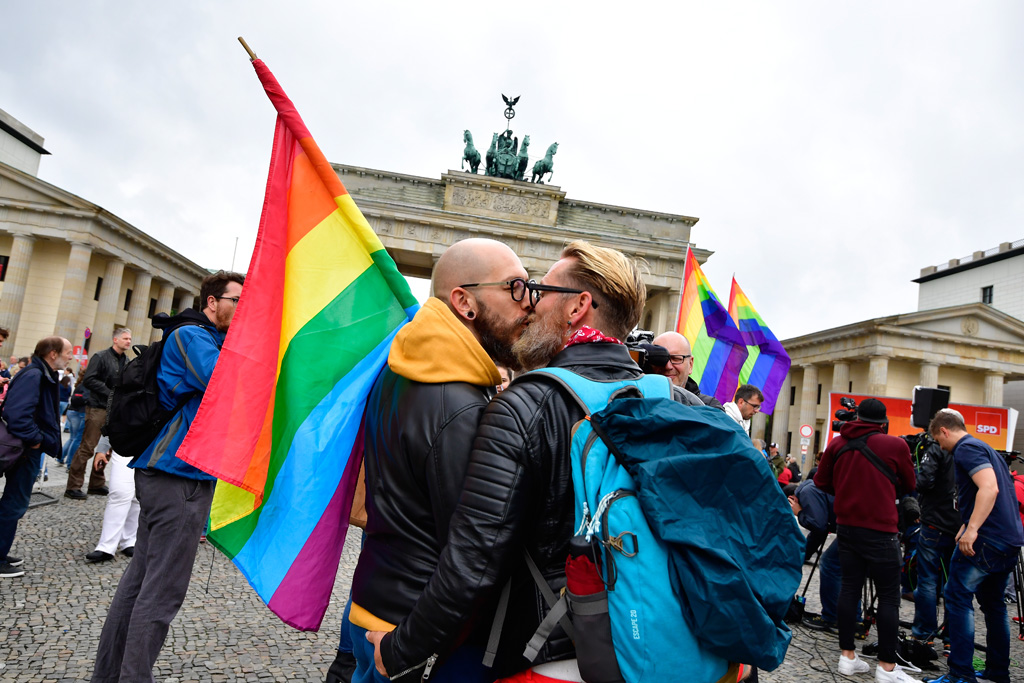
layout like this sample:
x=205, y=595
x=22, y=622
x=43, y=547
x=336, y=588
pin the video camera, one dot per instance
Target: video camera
x=847, y=413
x=648, y=356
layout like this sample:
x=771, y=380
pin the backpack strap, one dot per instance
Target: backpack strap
x=592, y=394
x=861, y=444
x=557, y=615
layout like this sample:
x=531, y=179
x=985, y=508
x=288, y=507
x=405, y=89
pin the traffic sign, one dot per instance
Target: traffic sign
x=806, y=431
x=803, y=449
x=88, y=333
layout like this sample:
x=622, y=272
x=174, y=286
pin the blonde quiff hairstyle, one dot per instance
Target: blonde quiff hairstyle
x=613, y=279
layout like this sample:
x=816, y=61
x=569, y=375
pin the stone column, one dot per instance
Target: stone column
x=808, y=411
x=840, y=378
x=14, y=287
x=68, y=323
x=187, y=301
x=929, y=375
x=110, y=297
x=878, y=375
x=758, y=423
x=139, y=307
x=993, y=389
x=163, y=305
x=780, y=416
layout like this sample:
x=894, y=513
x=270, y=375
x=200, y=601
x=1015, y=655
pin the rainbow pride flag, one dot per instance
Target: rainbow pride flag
x=719, y=350
x=281, y=421
x=767, y=362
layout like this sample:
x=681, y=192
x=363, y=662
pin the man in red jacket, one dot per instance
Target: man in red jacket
x=867, y=470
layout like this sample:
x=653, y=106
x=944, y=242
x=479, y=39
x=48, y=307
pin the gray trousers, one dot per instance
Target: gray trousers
x=172, y=517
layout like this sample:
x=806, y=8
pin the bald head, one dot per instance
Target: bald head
x=677, y=345
x=473, y=260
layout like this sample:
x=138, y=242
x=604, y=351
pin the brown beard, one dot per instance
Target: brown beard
x=541, y=342
x=498, y=336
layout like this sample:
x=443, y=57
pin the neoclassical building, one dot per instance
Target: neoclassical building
x=417, y=218
x=67, y=264
x=972, y=349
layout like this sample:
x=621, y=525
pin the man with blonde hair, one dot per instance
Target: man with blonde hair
x=517, y=497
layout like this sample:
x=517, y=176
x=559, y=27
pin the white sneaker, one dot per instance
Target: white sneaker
x=849, y=667
x=897, y=675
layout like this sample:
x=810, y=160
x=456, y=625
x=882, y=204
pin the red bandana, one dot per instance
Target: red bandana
x=587, y=335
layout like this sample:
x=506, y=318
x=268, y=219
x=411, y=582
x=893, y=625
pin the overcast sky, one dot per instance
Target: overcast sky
x=830, y=150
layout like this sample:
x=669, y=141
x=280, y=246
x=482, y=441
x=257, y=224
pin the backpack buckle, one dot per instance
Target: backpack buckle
x=616, y=543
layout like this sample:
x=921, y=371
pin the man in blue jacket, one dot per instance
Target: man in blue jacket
x=32, y=415
x=174, y=497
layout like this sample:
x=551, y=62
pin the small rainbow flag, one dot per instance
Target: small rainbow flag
x=719, y=349
x=281, y=421
x=767, y=362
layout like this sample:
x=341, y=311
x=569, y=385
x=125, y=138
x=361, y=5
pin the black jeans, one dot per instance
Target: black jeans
x=875, y=554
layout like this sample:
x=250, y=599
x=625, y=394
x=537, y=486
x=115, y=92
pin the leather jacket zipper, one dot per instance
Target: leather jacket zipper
x=429, y=664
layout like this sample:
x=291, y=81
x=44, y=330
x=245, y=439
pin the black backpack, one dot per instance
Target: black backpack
x=135, y=414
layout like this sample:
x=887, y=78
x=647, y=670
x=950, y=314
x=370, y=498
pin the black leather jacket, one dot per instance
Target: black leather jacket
x=104, y=369
x=936, y=488
x=418, y=440
x=517, y=496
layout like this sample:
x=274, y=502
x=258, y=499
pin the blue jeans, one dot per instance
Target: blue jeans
x=934, y=550
x=16, y=496
x=983, y=576
x=463, y=666
x=76, y=419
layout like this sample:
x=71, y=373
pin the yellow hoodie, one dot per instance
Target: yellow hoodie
x=435, y=347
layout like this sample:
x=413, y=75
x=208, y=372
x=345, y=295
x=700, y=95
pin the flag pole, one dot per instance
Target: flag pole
x=252, y=55
x=682, y=287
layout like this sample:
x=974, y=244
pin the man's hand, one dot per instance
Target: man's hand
x=795, y=504
x=100, y=461
x=375, y=637
x=966, y=541
x=4, y=380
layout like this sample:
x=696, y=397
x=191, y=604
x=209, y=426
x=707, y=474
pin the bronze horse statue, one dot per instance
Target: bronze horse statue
x=470, y=154
x=524, y=158
x=545, y=165
x=492, y=154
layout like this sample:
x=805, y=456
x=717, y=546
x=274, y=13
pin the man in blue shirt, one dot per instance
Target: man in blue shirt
x=988, y=544
x=174, y=497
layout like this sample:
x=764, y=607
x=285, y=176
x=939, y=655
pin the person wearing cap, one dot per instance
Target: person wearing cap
x=867, y=470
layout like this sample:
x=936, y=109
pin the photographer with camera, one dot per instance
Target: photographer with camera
x=866, y=470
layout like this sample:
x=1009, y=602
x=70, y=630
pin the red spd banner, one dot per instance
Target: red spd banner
x=992, y=425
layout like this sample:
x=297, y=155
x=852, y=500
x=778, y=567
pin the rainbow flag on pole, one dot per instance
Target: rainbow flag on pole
x=719, y=350
x=767, y=362
x=281, y=421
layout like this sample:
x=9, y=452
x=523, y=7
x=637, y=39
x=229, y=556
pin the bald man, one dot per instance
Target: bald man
x=680, y=365
x=421, y=419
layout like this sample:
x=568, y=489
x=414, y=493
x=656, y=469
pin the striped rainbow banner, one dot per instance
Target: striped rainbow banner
x=719, y=350
x=281, y=421
x=767, y=362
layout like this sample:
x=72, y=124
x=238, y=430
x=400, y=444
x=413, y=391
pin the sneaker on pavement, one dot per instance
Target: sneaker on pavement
x=75, y=494
x=849, y=667
x=897, y=675
x=99, y=491
x=946, y=678
x=9, y=572
x=129, y=551
x=14, y=561
x=816, y=623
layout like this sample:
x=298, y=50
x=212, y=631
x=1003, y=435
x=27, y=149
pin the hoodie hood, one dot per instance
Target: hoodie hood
x=733, y=411
x=435, y=348
x=854, y=430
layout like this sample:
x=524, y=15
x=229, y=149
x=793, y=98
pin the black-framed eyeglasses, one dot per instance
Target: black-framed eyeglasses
x=678, y=359
x=516, y=287
x=537, y=290
x=232, y=299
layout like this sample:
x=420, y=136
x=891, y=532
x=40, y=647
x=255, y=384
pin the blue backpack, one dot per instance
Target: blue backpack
x=640, y=611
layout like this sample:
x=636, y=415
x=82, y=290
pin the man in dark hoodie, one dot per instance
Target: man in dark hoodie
x=867, y=470
x=421, y=419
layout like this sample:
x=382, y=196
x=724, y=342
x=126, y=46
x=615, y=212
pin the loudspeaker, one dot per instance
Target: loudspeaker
x=926, y=402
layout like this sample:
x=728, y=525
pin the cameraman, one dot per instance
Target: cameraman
x=867, y=470
x=936, y=487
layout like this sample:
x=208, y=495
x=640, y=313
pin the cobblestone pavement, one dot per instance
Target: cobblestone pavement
x=50, y=619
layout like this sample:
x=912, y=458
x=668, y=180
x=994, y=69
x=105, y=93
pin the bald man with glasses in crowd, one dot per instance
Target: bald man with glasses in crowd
x=680, y=365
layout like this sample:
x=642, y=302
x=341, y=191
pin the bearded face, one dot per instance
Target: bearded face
x=498, y=336
x=542, y=340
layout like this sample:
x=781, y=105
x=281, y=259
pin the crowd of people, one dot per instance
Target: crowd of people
x=470, y=513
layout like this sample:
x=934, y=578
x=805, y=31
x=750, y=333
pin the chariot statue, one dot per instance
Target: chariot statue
x=505, y=158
